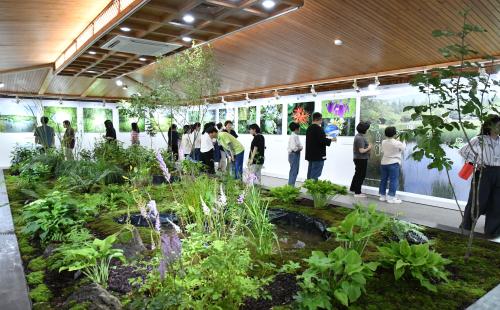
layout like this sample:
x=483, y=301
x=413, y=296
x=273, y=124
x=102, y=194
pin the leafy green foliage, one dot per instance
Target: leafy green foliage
x=52, y=217
x=34, y=172
x=286, y=194
x=93, y=259
x=322, y=191
x=418, y=260
x=41, y=293
x=37, y=264
x=20, y=155
x=341, y=275
x=358, y=227
x=35, y=278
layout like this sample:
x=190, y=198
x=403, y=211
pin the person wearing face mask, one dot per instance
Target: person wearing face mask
x=484, y=152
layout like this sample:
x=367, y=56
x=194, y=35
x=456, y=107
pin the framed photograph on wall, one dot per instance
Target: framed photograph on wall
x=339, y=117
x=226, y=114
x=93, y=119
x=300, y=113
x=246, y=117
x=271, y=119
x=125, y=121
x=57, y=115
x=17, y=123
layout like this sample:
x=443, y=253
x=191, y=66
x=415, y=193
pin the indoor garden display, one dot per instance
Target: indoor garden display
x=93, y=119
x=339, y=117
x=271, y=119
x=246, y=117
x=300, y=113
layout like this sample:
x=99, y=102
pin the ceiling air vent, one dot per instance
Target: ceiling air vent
x=139, y=46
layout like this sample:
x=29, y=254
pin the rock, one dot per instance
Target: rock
x=299, y=245
x=98, y=298
x=132, y=247
x=283, y=240
x=416, y=237
x=49, y=250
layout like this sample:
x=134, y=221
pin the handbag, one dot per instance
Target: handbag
x=466, y=171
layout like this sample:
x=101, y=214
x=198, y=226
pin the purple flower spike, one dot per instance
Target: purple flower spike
x=162, y=268
x=163, y=166
x=241, y=198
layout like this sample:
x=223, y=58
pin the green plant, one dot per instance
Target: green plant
x=322, y=191
x=77, y=238
x=88, y=176
x=33, y=172
x=52, y=217
x=35, y=278
x=287, y=194
x=41, y=293
x=37, y=264
x=358, y=226
x=192, y=168
x=341, y=275
x=402, y=229
x=421, y=263
x=93, y=260
x=20, y=155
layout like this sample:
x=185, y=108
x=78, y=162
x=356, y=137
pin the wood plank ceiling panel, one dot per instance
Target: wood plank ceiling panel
x=23, y=82
x=378, y=36
x=34, y=32
x=68, y=85
x=108, y=88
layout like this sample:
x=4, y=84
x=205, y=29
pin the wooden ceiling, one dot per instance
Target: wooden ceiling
x=298, y=47
x=34, y=32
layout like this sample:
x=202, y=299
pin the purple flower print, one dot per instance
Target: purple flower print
x=338, y=108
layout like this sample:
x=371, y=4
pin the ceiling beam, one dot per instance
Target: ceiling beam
x=46, y=81
x=134, y=81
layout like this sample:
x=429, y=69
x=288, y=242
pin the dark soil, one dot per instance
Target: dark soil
x=60, y=284
x=281, y=291
x=119, y=276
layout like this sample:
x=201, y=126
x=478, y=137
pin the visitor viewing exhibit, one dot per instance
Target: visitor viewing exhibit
x=249, y=154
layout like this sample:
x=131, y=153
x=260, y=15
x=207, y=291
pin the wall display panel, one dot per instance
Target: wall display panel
x=17, y=123
x=246, y=117
x=93, y=119
x=57, y=115
x=209, y=116
x=163, y=120
x=300, y=113
x=271, y=119
x=387, y=110
x=125, y=121
x=339, y=117
x=226, y=115
x=194, y=117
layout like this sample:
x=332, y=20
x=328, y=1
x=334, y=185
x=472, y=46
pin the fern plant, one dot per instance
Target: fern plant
x=286, y=194
x=322, y=191
x=418, y=261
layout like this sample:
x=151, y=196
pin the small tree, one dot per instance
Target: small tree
x=459, y=100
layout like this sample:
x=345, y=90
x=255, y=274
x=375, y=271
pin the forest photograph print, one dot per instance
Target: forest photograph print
x=339, y=117
x=300, y=113
x=124, y=121
x=93, y=119
x=17, y=123
x=271, y=119
x=246, y=117
x=226, y=115
x=57, y=115
x=387, y=110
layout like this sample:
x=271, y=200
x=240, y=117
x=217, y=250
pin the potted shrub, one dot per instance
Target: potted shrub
x=322, y=191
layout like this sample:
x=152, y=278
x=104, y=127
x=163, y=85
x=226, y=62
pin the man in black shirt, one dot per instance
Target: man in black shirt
x=256, y=159
x=316, y=143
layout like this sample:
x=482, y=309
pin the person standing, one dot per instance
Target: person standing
x=223, y=156
x=196, y=140
x=207, y=148
x=390, y=166
x=316, y=143
x=44, y=135
x=134, y=134
x=257, y=150
x=294, y=149
x=68, y=140
x=173, y=141
x=229, y=128
x=484, y=152
x=235, y=151
x=361, y=154
x=186, y=143
x=110, y=135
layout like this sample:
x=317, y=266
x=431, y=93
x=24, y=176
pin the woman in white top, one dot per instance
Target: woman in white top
x=207, y=148
x=390, y=165
x=484, y=153
x=294, y=148
x=186, y=142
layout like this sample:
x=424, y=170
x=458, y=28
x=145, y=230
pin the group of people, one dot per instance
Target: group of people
x=45, y=136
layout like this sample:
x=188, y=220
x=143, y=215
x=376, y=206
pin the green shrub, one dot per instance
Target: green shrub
x=25, y=247
x=37, y=264
x=33, y=172
x=20, y=155
x=287, y=194
x=339, y=276
x=322, y=191
x=41, y=293
x=35, y=278
x=416, y=260
x=356, y=229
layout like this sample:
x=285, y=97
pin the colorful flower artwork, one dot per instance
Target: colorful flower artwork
x=271, y=117
x=246, y=117
x=300, y=113
x=339, y=117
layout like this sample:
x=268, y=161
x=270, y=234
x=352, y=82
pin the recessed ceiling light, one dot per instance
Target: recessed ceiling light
x=338, y=42
x=268, y=4
x=142, y=59
x=2, y=84
x=188, y=18
x=92, y=53
x=91, y=71
x=119, y=82
x=125, y=29
x=187, y=39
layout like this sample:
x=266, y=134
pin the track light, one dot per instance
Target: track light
x=187, y=39
x=223, y=100
x=60, y=101
x=313, y=91
x=18, y=100
x=375, y=84
x=247, y=98
x=355, y=85
x=338, y=42
x=103, y=103
x=125, y=29
x=119, y=83
x=276, y=95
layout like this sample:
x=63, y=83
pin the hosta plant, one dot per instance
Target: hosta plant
x=417, y=261
x=322, y=191
x=286, y=194
x=355, y=231
x=341, y=275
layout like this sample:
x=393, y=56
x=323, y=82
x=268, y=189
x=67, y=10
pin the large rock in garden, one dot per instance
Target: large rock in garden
x=96, y=297
x=131, y=244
